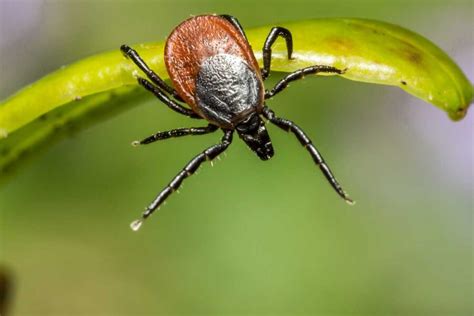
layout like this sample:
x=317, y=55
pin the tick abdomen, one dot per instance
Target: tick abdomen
x=227, y=90
x=194, y=41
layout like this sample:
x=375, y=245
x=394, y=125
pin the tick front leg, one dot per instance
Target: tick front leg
x=299, y=74
x=133, y=55
x=267, y=47
x=165, y=99
x=289, y=126
x=208, y=154
x=177, y=133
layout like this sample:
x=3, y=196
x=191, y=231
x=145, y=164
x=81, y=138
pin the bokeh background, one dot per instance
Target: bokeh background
x=245, y=237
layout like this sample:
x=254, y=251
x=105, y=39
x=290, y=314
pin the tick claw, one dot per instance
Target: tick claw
x=135, y=225
x=350, y=201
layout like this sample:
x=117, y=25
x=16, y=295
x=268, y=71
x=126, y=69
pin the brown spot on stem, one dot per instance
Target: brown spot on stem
x=412, y=56
x=340, y=43
x=461, y=113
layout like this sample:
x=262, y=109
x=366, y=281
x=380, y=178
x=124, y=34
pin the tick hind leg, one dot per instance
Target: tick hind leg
x=234, y=22
x=267, y=47
x=177, y=133
x=289, y=126
x=133, y=55
x=208, y=154
x=299, y=74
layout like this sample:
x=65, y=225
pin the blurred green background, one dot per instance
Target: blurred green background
x=245, y=237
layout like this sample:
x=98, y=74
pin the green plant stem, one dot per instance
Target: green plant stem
x=369, y=51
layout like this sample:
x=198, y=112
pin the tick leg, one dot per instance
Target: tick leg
x=208, y=154
x=177, y=133
x=234, y=22
x=267, y=47
x=299, y=74
x=165, y=99
x=133, y=55
x=289, y=126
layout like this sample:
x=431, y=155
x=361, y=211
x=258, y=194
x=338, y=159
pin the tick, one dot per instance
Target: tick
x=214, y=71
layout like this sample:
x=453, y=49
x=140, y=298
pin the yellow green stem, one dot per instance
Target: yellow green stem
x=369, y=51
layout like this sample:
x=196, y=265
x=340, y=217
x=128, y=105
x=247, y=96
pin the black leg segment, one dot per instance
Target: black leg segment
x=289, y=126
x=299, y=74
x=235, y=22
x=177, y=133
x=133, y=55
x=267, y=47
x=165, y=99
x=208, y=154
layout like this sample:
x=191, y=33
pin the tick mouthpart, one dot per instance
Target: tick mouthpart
x=253, y=132
x=265, y=152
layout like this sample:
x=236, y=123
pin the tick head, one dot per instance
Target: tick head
x=253, y=132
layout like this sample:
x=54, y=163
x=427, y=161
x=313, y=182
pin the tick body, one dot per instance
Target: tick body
x=214, y=71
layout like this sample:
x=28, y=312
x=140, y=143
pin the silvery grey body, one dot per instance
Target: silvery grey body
x=230, y=95
x=228, y=90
